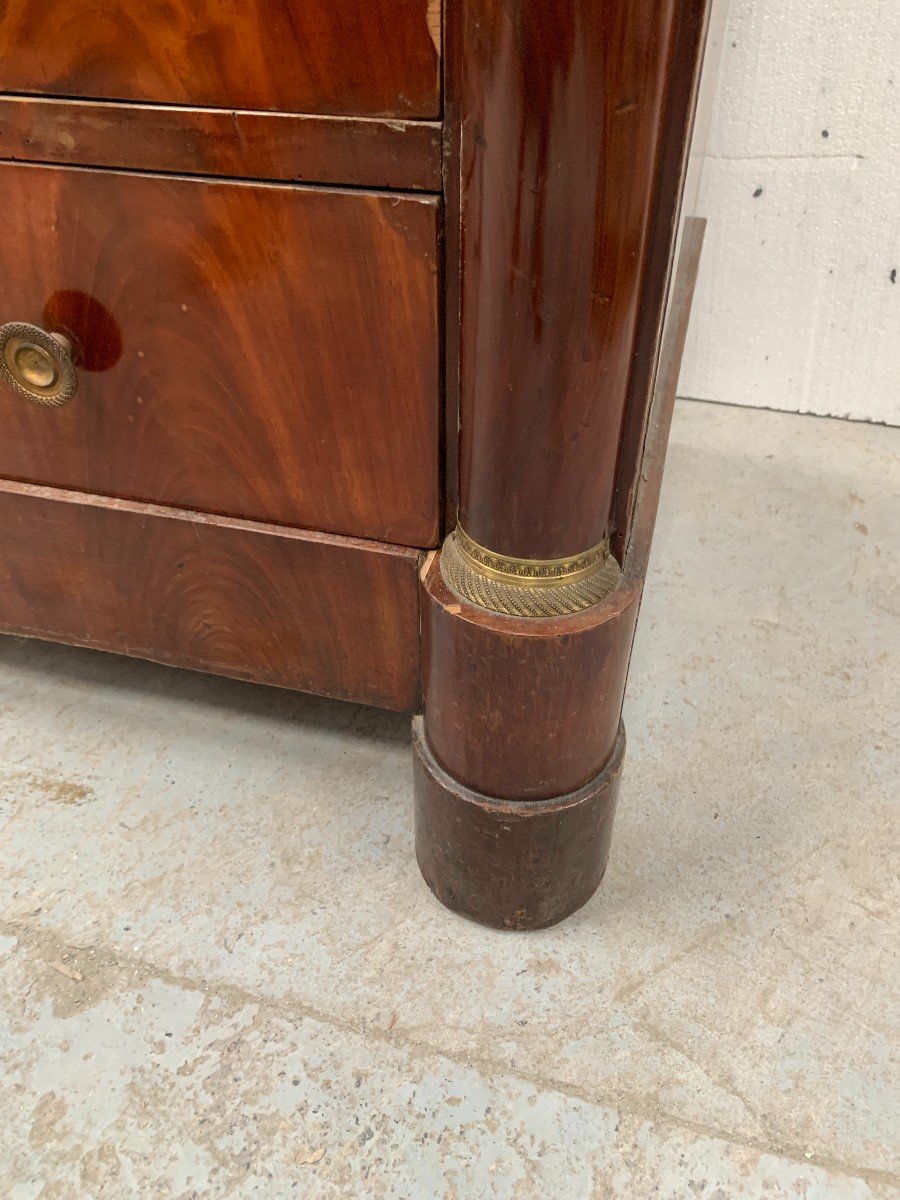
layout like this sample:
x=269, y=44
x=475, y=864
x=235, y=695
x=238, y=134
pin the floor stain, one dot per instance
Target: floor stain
x=55, y=788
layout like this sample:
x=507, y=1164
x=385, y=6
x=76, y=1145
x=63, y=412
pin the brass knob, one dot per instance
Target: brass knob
x=37, y=364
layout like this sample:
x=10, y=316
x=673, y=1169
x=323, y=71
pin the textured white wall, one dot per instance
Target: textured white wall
x=796, y=308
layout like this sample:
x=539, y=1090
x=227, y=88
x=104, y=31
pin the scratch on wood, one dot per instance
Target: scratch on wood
x=433, y=17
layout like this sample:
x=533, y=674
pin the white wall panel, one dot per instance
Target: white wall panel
x=796, y=308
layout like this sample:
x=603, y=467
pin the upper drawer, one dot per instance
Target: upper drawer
x=258, y=350
x=371, y=58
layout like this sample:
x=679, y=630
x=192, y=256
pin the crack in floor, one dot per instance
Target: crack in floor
x=45, y=945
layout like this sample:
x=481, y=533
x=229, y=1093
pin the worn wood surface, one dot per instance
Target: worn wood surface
x=527, y=709
x=564, y=116
x=452, y=242
x=364, y=152
x=512, y=866
x=507, y=701
x=336, y=616
x=688, y=40
x=519, y=708
x=266, y=352
x=380, y=58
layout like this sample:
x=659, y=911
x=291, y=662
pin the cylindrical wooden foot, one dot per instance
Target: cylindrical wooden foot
x=512, y=864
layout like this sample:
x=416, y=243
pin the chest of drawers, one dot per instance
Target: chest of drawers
x=331, y=337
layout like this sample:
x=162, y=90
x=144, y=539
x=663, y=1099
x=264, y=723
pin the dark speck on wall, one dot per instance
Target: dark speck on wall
x=824, y=133
x=894, y=275
x=757, y=193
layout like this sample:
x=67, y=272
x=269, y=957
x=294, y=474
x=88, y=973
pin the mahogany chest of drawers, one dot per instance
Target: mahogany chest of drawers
x=335, y=355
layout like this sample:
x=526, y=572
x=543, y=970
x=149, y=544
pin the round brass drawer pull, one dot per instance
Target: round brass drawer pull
x=37, y=364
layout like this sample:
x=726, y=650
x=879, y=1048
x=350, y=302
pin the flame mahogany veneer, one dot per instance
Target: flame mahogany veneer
x=377, y=59
x=341, y=283
x=277, y=347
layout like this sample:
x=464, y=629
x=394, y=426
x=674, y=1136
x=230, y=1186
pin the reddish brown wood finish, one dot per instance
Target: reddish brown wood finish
x=336, y=616
x=272, y=352
x=672, y=166
x=563, y=115
x=523, y=709
x=378, y=58
x=267, y=352
x=452, y=241
x=516, y=866
x=200, y=141
x=509, y=863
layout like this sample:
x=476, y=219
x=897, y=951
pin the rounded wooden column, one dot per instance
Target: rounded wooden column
x=562, y=105
x=568, y=111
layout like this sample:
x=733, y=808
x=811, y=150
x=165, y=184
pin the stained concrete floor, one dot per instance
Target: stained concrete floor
x=222, y=976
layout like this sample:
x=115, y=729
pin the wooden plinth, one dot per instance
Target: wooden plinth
x=512, y=865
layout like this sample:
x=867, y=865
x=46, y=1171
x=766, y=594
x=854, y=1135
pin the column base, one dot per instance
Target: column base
x=506, y=863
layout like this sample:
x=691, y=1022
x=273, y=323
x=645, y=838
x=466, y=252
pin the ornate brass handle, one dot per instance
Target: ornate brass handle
x=37, y=364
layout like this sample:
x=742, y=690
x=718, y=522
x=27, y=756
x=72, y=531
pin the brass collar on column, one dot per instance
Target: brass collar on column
x=523, y=587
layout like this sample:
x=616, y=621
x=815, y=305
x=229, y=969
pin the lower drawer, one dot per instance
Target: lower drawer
x=311, y=611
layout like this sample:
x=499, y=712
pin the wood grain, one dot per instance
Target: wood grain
x=563, y=104
x=365, y=152
x=518, y=708
x=688, y=41
x=277, y=347
x=452, y=241
x=572, y=118
x=518, y=703
x=335, y=616
x=511, y=865
x=315, y=56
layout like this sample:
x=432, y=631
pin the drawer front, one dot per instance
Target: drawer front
x=261, y=351
x=377, y=58
x=309, y=611
x=290, y=147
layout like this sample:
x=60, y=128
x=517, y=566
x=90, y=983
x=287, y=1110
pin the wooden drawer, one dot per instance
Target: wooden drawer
x=377, y=58
x=267, y=352
x=310, y=611
x=289, y=147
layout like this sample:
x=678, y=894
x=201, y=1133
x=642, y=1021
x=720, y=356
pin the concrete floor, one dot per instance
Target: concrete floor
x=223, y=977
